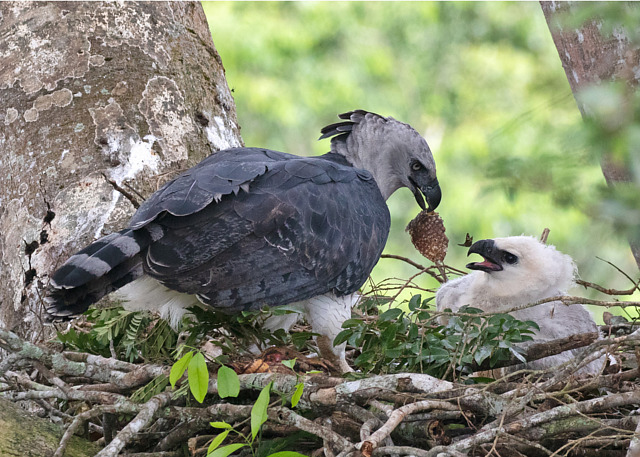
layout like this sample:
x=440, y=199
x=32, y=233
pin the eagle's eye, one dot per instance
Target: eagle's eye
x=416, y=166
x=510, y=258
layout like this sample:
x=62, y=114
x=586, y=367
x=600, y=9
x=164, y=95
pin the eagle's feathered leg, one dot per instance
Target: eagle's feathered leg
x=326, y=314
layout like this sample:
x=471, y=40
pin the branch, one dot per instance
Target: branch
x=145, y=416
x=560, y=412
x=397, y=416
x=606, y=291
x=538, y=351
x=285, y=416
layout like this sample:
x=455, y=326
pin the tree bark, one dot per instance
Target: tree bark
x=26, y=435
x=101, y=102
x=589, y=58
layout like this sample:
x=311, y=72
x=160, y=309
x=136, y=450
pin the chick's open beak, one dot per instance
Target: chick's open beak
x=487, y=249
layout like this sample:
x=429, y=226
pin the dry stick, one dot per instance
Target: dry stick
x=94, y=367
x=564, y=299
x=77, y=422
x=421, y=267
x=619, y=270
x=406, y=284
x=590, y=285
x=155, y=454
x=541, y=350
x=144, y=417
x=590, y=439
x=401, y=450
x=559, y=412
x=397, y=416
x=285, y=416
x=565, y=370
x=634, y=447
x=124, y=192
x=544, y=236
x=591, y=355
x=526, y=442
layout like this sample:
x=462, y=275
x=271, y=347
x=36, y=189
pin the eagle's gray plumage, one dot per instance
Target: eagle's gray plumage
x=517, y=271
x=249, y=227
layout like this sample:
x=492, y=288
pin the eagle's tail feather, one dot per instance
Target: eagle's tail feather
x=102, y=267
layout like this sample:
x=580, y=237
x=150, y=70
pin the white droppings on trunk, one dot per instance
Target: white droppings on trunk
x=141, y=156
x=220, y=135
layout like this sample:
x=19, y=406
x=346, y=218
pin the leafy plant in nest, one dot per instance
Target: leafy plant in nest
x=413, y=341
x=236, y=334
x=130, y=335
x=139, y=335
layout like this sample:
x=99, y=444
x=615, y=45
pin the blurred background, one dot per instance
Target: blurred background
x=482, y=82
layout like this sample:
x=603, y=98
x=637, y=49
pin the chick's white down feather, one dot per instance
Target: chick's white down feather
x=540, y=272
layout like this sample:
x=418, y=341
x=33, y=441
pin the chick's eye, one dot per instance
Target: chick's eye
x=415, y=166
x=510, y=258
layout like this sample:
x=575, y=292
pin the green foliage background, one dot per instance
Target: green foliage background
x=481, y=81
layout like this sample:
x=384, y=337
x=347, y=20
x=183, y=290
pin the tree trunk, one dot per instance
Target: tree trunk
x=26, y=435
x=589, y=58
x=101, y=103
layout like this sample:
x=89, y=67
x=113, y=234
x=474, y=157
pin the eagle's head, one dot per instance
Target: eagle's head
x=393, y=152
x=523, y=265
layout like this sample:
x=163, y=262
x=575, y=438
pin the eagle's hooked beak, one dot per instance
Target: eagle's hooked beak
x=431, y=191
x=487, y=249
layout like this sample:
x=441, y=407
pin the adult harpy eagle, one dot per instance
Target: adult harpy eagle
x=249, y=227
x=520, y=270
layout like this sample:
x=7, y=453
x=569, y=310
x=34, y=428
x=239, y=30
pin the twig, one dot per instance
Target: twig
x=284, y=415
x=604, y=290
x=145, y=416
x=634, y=446
x=75, y=425
x=587, y=406
x=422, y=267
x=545, y=235
x=399, y=450
x=128, y=195
x=397, y=416
x=541, y=350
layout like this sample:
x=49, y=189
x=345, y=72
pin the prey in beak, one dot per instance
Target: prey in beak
x=431, y=190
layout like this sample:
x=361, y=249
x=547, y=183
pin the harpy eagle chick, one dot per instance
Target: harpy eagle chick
x=250, y=227
x=520, y=270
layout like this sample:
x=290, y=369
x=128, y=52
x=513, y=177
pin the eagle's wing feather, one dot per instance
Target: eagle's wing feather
x=305, y=227
x=223, y=173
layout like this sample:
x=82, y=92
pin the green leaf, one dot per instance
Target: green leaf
x=259, y=410
x=286, y=454
x=390, y=314
x=518, y=355
x=414, y=302
x=228, y=382
x=352, y=323
x=217, y=441
x=343, y=336
x=295, y=398
x=220, y=425
x=532, y=324
x=227, y=450
x=289, y=363
x=198, y=376
x=177, y=370
x=482, y=353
